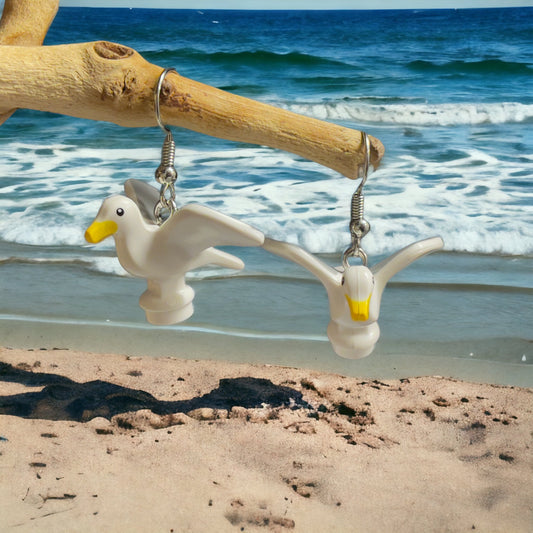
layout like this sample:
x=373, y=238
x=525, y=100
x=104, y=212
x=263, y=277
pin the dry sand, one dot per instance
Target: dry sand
x=107, y=443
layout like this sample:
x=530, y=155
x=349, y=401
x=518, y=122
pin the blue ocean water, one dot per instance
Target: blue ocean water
x=449, y=94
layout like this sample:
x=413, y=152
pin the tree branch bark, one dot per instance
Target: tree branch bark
x=25, y=23
x=111, y=82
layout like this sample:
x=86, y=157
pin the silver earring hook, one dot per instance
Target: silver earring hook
x=366, y=164
x=157, y=94
x=359, y=227
x=166, y=173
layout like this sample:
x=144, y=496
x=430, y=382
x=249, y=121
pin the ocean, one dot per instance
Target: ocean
x=448, y=92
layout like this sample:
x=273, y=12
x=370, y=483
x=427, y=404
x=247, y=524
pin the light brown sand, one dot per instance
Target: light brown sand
x=106, y=443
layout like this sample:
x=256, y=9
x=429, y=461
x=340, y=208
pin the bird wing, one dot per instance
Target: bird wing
x=323, y=272
x=384, y=270
x=194, y=228
x=145, y=196
x=213, y=256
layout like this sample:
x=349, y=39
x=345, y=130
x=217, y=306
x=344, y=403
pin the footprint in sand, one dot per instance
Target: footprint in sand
x=305, y=488
x=256, y=514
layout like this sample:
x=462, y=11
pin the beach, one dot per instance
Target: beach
x=453, y=113
x=94, y=442
x=243, y=418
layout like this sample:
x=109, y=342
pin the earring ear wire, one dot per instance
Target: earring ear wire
x=157, y=95
x=166, y=174
x=359, y=227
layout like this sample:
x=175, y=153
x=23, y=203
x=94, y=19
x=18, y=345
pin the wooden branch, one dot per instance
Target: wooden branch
x=111, y=82
x=25, y=23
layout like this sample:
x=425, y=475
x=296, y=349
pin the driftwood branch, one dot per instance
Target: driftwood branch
x=111, y=82
x=24, y=23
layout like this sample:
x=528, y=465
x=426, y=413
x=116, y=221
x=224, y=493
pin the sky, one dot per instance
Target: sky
x=300, y=4
x=297, y=4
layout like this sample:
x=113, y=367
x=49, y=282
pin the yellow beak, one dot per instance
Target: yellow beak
x=359, y=310
x=98, y=231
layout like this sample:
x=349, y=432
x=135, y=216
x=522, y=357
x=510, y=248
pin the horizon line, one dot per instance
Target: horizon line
x=457, y=8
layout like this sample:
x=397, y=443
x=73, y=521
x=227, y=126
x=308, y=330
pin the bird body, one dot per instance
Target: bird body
x=164, y=254
x=354, y=293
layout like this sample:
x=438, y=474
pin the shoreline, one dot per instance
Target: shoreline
x=58, y=305
x=110, y=442
x=387, y=361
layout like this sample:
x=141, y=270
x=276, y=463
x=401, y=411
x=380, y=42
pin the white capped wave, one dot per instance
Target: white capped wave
x=469, y=200
x=419, y=114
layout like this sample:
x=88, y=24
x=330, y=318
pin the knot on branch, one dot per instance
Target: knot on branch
x=109, y=50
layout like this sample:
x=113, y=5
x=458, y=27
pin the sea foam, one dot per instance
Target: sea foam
x=473, y=199
x=413, y=114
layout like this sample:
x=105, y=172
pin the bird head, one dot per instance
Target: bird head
x=115, y=212
x=358, y=284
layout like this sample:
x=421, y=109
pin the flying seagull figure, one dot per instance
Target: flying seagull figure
x=164, y=254
x=354, y=293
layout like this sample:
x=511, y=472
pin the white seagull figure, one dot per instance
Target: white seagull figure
x=354, y=293
x=164, y=254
